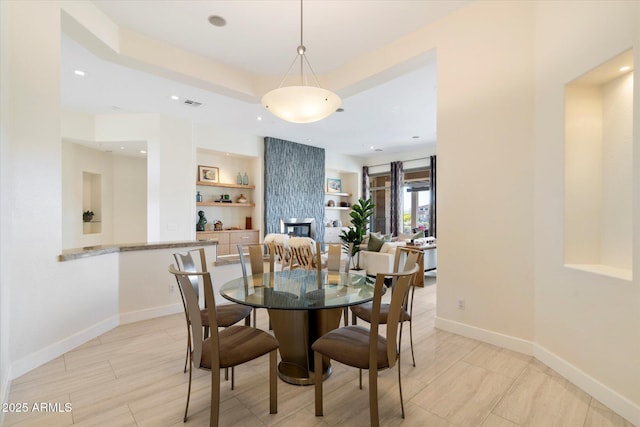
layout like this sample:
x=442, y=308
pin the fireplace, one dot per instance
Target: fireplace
x=299, y=227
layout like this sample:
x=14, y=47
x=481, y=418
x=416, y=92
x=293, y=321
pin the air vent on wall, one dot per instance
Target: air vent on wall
x=192, y=103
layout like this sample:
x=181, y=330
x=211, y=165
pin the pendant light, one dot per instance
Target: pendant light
x=302, y=103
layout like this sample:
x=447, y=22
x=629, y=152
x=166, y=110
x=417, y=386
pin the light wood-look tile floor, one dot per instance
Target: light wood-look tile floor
x=132, y=376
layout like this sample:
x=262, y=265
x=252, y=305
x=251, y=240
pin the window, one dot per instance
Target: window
x=416, y=201
x=415, y=204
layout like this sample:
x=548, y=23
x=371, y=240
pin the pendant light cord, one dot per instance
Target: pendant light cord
x=303, y=58
x=301, y=48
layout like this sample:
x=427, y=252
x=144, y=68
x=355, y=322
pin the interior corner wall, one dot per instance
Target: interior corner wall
x=296, y=191
x=587, y=325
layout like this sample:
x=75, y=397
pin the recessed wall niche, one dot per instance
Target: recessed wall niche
x=598, y=169
x=92, y=202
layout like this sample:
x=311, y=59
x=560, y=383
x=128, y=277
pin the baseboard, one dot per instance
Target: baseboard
x=4, y=391
x=59, y=348
x=613, y=400
x=485, y=335
x=610, y=398
x=150, y=313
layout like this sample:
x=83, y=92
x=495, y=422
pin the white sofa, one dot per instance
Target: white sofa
x=382, y=262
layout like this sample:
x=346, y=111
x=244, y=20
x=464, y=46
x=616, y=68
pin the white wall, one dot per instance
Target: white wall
x=6, y=192
x=587, y=325
x=129, y=199
x=124, y=179
x=485, y=171
x=617, y=165
x=147, y=289
x=170, y=163
x=583, y=175
x=72, y=304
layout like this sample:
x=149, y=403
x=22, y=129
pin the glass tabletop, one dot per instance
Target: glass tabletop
x=299, y=290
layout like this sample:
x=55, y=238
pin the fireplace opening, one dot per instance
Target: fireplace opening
x=298, y=227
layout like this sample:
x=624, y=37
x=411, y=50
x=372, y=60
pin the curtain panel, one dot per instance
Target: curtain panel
x=433, y=192
x=397, y=180
x=366, y=185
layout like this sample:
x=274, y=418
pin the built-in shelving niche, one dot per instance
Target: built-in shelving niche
x=598, y=169
x=92, y=201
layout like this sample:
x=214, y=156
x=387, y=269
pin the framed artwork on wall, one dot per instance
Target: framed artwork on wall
x=334, y=185
x=208, y=174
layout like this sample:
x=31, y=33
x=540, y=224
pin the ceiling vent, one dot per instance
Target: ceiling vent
x=192, y=103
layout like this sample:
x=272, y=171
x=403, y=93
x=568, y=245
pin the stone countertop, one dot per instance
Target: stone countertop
x=89, y=251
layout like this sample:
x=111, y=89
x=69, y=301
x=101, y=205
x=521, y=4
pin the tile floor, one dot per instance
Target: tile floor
x=132, y=376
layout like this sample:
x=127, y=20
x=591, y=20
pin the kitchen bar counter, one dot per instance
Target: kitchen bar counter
x=90, y=251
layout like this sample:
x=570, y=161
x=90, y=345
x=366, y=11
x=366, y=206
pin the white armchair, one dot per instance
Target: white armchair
x=379, y=262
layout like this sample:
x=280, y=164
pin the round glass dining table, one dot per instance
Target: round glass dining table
x=302, y=307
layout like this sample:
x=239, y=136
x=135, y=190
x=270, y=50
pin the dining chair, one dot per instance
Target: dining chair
x=302, y=253
x=329, y=257
x=365, y=311
x=364, y=348
x=224, y=348
x=260, y=255
x=281, y=250
x=227, y=314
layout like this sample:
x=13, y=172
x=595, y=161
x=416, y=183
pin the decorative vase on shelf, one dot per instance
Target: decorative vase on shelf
x=198, y=196
x=239, y=179
x=201, y=222
x=241, y=199
x=245, y=179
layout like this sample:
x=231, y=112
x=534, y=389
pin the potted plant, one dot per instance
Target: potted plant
x=87, y=216
x=360, y=214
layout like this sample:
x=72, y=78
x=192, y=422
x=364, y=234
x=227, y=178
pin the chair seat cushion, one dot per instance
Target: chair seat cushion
x=230, y=314
x=350, y=345
x=239, y=344
x=363, y=311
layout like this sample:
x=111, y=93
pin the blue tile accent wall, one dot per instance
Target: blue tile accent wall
x=293, y=184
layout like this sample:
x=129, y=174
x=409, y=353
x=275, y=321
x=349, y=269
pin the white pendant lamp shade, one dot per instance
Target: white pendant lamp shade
x=301, y=104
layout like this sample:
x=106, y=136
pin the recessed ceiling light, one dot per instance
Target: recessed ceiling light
x=415, y=137
x=625, y=68
x=122, y=148
x=371, y=148
x=259, y=118
x=143, y=151
x=175, y=97
x=307, y=139
x=378, y=149
x=217, y=21
x=340, y=110
x=79, y=73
